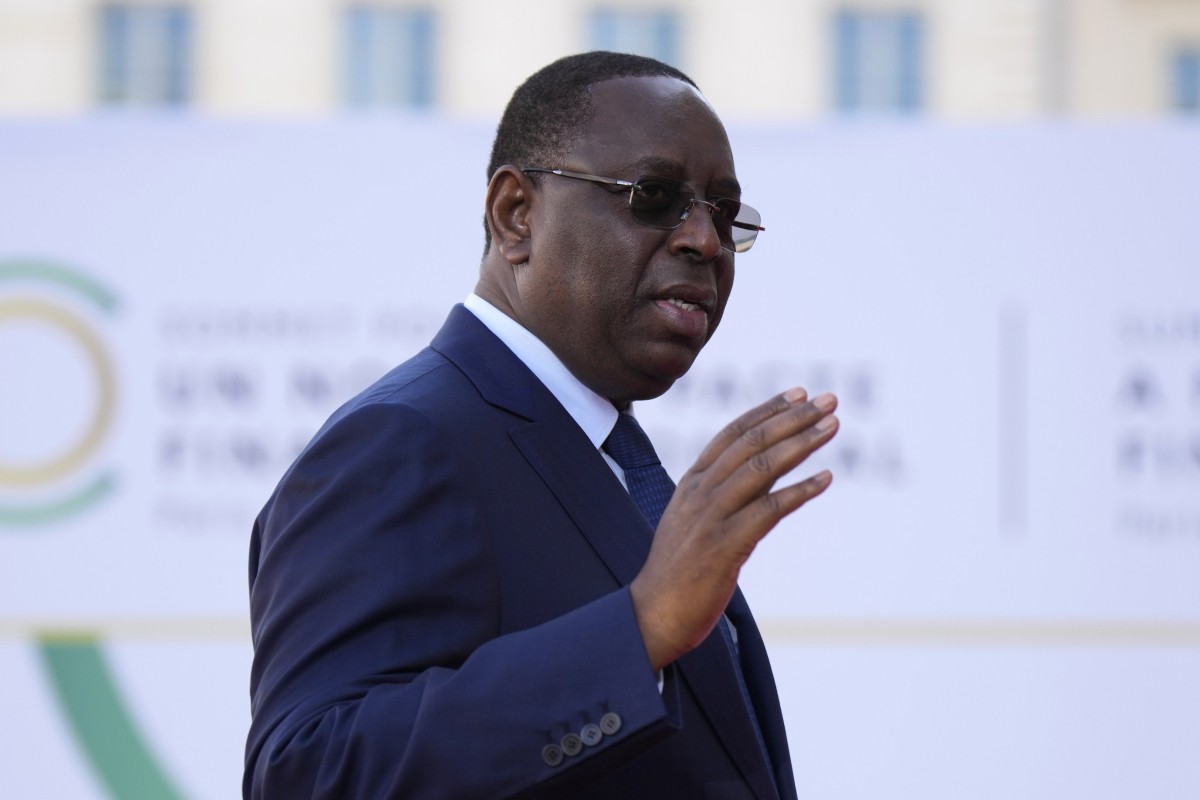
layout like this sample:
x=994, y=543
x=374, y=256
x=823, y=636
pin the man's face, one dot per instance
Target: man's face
x=627, y=307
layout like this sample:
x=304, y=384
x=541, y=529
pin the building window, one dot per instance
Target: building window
x=645, y=33
x=145, y=55
x=878, y=61
x=389, y=57
x=1185, y=80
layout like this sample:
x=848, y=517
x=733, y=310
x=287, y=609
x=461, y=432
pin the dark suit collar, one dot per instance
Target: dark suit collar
x=499, y=376
x=555, y=446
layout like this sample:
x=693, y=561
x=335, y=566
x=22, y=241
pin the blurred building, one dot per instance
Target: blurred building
x=758, y=59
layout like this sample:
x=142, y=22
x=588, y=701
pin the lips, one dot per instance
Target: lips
x=689, y=296
x=685, y=310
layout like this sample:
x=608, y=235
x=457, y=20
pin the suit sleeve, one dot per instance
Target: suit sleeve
x=380, y=667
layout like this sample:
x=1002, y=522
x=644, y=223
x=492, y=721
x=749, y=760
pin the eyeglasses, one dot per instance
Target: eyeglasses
x=664, y=203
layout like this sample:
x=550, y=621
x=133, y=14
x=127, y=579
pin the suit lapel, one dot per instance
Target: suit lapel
x=602, y=510
x=592, y=496
x=552, y=443
x=756, y=668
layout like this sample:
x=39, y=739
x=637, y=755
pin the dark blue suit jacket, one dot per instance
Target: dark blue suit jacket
x=438, y=590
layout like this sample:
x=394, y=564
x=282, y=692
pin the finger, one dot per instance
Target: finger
x=755, y=476
x=753, y=446
x=746, y=422
x=758, y=518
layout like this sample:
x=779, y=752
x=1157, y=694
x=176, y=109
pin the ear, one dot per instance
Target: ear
x=507, y=212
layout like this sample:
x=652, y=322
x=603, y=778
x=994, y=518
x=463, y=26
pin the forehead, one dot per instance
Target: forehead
x=658, y=125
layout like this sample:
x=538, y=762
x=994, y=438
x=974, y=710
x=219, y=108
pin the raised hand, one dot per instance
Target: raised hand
x=722, y=507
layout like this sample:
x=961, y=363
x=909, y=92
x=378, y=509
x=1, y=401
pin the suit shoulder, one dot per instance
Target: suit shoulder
x=425, y=371
x=424, y=383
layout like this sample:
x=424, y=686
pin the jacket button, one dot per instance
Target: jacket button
x=571, y=744
x=552, y=754
x=610, y=723
x=591, y=734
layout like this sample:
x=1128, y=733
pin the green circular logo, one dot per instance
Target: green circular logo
x=51, y=480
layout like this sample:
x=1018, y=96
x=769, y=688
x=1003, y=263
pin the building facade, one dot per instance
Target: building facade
x=759, y=59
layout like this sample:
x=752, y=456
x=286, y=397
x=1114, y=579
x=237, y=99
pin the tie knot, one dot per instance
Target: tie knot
x=629, y=445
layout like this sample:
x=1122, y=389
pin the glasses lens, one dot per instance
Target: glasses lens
x=658, y=202
x=744, y=222
x=661, y=203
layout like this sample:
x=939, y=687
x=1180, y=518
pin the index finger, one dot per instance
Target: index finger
x=751, y=419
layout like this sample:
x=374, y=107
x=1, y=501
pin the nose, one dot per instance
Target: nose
x=697, y=234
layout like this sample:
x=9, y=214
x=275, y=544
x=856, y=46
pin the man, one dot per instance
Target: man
x=454, y=592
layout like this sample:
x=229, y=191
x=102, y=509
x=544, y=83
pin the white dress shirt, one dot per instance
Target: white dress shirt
x=593, y=413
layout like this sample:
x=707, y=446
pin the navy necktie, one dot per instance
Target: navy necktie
x=651, y=488
x=648, y=483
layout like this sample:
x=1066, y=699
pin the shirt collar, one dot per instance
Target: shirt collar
x=593, y=413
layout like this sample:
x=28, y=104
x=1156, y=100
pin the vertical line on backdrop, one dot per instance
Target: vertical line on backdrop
x=1013, y=419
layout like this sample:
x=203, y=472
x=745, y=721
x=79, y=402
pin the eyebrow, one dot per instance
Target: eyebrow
x=668, y=168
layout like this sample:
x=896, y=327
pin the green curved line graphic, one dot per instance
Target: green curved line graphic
x=92, y=704
x=61, y=507
x=64, y=276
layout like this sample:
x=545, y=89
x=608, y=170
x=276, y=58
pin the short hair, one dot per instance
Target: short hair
x=552, y=107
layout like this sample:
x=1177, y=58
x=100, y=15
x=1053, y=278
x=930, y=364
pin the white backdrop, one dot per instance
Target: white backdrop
x=997, y=598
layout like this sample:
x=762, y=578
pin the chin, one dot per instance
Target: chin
x=662, y=364
x=648, y=386
x=665, y=374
